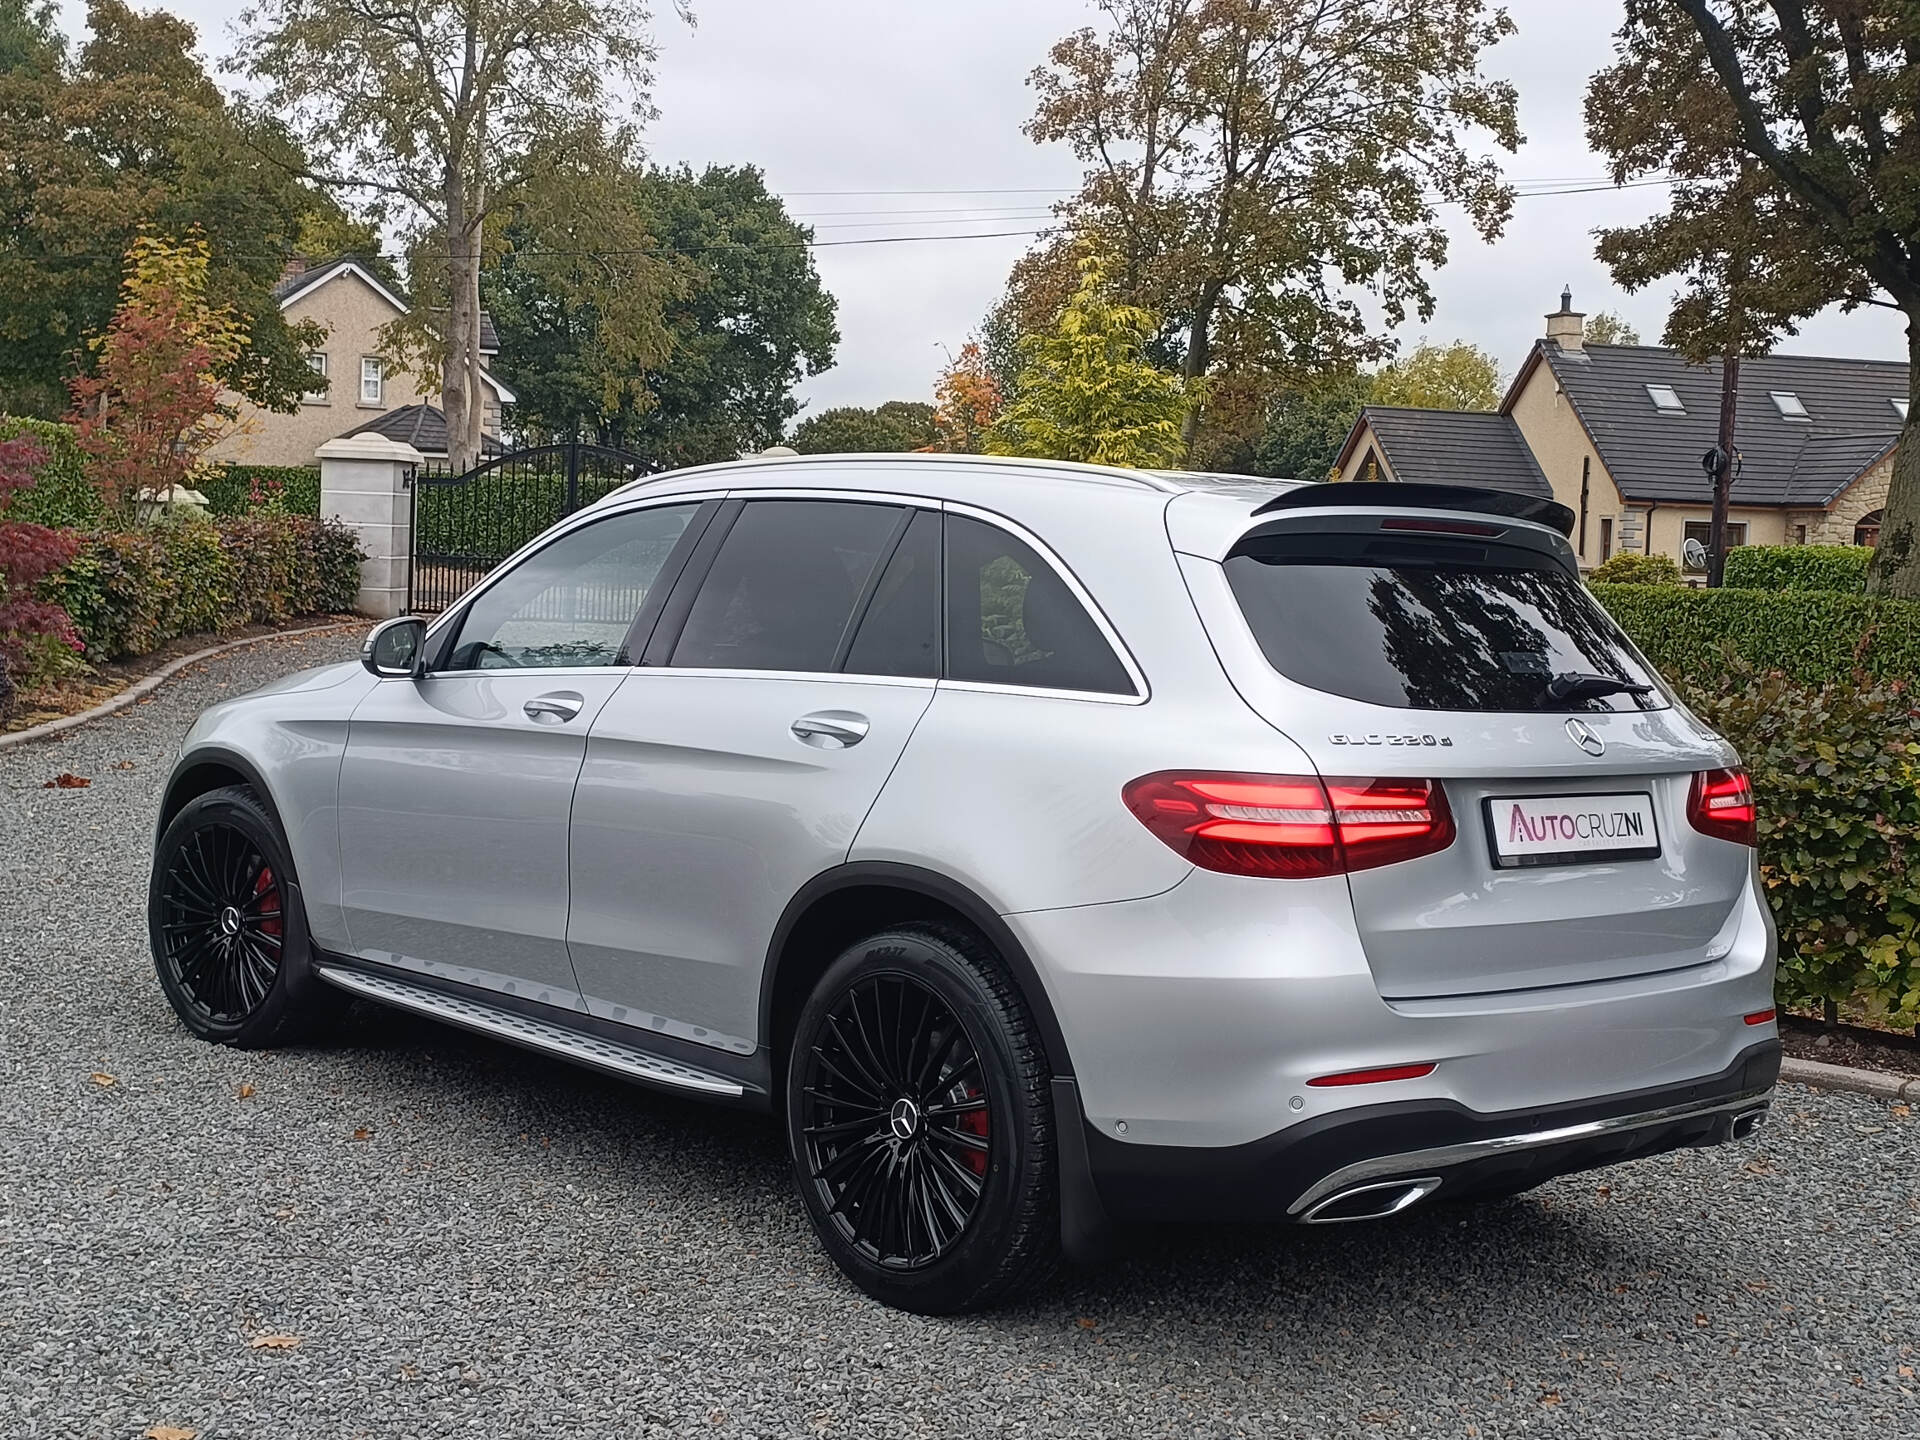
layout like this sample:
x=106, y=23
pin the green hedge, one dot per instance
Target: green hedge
x=1799, y=567
x=230, y=488
x=1630, y=567
x=132, y=591
x=61, y=494
x=497, y=513
x=1813, y=636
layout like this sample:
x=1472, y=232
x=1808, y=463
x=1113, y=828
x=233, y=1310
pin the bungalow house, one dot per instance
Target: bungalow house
x=1616, y=433
x=356, y=387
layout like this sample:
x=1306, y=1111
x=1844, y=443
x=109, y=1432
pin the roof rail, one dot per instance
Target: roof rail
x=1396, y=495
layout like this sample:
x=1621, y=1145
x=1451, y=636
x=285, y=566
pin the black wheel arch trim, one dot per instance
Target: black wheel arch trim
x=935, y=886
x=218, y=757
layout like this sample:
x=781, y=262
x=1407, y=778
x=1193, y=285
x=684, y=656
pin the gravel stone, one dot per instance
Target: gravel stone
x=468, y=1240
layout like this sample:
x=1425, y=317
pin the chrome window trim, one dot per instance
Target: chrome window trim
x=828, y=677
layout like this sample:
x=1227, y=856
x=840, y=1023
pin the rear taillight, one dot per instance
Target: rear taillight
x=1721, y=805
x=1292, y=827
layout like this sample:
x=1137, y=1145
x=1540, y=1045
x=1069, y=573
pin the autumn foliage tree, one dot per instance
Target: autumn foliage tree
x=28, y=554
x=1087, y=391
x=966, y=401
x=153, y=404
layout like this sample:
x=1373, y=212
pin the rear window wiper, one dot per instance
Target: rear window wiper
x=1574, y=685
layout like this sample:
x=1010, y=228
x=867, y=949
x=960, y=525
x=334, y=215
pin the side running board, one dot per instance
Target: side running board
x=597, y=1052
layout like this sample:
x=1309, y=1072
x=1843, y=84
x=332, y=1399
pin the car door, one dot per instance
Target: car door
x=455, y=788
x=739, y=760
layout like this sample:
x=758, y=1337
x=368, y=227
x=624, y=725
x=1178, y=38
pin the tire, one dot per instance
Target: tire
x=229, y=935
x=920, y=1122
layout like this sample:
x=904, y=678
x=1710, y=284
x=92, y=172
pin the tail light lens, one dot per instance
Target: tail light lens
x=1292, y=827
x=1721, y=805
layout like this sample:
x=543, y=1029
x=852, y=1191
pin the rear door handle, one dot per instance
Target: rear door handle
x=554, y=709
x=832, y=729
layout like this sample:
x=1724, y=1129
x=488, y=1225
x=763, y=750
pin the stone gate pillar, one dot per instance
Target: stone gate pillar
x=366, y=483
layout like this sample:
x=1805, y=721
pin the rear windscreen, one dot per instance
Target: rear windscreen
x=1430, y=626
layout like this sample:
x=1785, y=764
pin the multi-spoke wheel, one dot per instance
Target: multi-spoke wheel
x=918, y=1114
x=228, y=940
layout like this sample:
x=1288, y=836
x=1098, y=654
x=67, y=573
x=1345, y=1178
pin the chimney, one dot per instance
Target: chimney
x=295, y=267
x=1567, y=325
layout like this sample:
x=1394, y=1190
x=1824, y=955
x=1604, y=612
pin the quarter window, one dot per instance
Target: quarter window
x=1011, y=619
x=782, y=591
x=572, y=602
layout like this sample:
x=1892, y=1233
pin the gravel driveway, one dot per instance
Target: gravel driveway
x=413, y=1232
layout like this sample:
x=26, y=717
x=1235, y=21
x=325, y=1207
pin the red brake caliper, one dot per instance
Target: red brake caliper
x=974, y=1122
x=268, y=894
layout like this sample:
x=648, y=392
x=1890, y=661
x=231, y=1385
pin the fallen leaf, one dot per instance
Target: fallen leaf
x=285, y=1212
x=1901, y=1112
x=362, y=1133
x=123, y=764
x=102, y=1079
x=67, y=780
x=274, y=1342
x=1086, y=1322
x=1702, y=1321
x=1906, y=1372
x=1552, y=1397
x=245, y=1092
x=168, y=1432
x=1758, y=1167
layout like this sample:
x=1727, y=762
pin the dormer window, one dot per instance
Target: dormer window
x=1900, y=408
x=1666, y=399
x=1789, y=406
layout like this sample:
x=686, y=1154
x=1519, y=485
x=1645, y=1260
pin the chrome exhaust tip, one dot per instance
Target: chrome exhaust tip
x=1371, y=1202
x=1745, y=1124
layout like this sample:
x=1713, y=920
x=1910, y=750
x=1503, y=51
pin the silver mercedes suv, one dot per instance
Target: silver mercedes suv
x=1049, y=847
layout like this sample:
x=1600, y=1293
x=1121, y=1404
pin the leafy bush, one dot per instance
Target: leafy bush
x=231, y=489
x=1799, y=567
x=1836, y=772
x=132, y=591
x=62, y=496
x=33, y=631
x=497, y=513
x=1633, y=568
x=1814, y=636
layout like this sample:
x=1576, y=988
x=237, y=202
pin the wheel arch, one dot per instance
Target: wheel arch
x=839, y=905
x=208, y=768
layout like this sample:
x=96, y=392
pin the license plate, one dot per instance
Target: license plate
x=1571, y=829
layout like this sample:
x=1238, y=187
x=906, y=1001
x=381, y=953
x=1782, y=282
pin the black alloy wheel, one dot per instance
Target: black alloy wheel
x=920, y=1120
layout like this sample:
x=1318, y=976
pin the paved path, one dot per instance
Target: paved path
x=470, y=1241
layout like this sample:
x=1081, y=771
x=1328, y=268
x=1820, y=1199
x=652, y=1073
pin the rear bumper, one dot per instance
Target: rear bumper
x=1308, y=1171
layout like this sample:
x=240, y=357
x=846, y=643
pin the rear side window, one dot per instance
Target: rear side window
x=1011, y=620
x=1429, y=626
x=783, y=588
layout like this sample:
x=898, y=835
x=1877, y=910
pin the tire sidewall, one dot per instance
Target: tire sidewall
x=1013, y=1164
x=294, y=980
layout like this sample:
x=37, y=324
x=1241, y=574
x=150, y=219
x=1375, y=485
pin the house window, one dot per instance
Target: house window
x=1900, y=408
x=1866, y=530
x=1789, y=406
x=317, y=362
x=1666, y=399
x=1702, y=530
x=373, y=371
x=1606, y=539
x=1799, y=534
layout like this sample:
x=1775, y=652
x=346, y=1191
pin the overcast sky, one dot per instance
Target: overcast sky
x=882, y=118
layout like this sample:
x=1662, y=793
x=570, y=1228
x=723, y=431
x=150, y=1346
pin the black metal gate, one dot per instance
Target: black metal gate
x=465, y=523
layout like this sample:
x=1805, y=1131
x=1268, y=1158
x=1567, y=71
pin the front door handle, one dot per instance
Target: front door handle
x=831, y=729
x=554, y=709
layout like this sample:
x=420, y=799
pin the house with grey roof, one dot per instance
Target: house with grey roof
x=1616, y=433
x=357, y=384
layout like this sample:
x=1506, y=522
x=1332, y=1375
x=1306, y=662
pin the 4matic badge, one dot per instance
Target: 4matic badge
x=1445, y=740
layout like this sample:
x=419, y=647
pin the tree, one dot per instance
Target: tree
x=898, y=425
x=1607, y=328
x=1306, y=425
x=1813, y=107
x=153, y=407
x=133, y=136
x=1440, y=377
x=28, y=554
x=1249, y=160
x=1087, y=391
x=966, y=402
x=449, y=112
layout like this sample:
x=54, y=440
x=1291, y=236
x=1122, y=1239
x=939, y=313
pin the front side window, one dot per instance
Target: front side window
x=572, y=602
x=1430, y=626
x=373, y=371
x=1011, y=619
x=783, y=589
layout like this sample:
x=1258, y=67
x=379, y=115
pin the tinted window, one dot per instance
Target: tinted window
x=1011, y=619
x=1480, y=628
x=572, y=602
x=784, y=584
x=900, y=633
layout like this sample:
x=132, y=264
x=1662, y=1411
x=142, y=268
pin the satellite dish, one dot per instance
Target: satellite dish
x=1693, y=554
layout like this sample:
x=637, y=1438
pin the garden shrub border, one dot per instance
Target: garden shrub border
x=1799, y=567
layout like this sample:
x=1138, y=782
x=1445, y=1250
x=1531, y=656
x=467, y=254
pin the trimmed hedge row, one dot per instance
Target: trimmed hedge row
x=1815, y=637
x=230, y=488
x=132, y=591
x=61, y=495
x=1799, y=567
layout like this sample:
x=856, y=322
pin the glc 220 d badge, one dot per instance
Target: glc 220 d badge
x=1446, y=740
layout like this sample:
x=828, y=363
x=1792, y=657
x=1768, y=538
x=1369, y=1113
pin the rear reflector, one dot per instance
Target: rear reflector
x=1291, y=827
x=1760, y=1017
x=1721, y=804
x=1375, y=1077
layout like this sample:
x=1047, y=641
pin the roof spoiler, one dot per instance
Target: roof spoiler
x=1394, y=495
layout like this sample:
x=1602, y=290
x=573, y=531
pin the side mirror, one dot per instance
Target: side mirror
x=396, y=649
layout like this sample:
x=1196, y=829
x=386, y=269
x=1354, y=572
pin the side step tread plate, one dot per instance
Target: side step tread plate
x=599, y=1053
